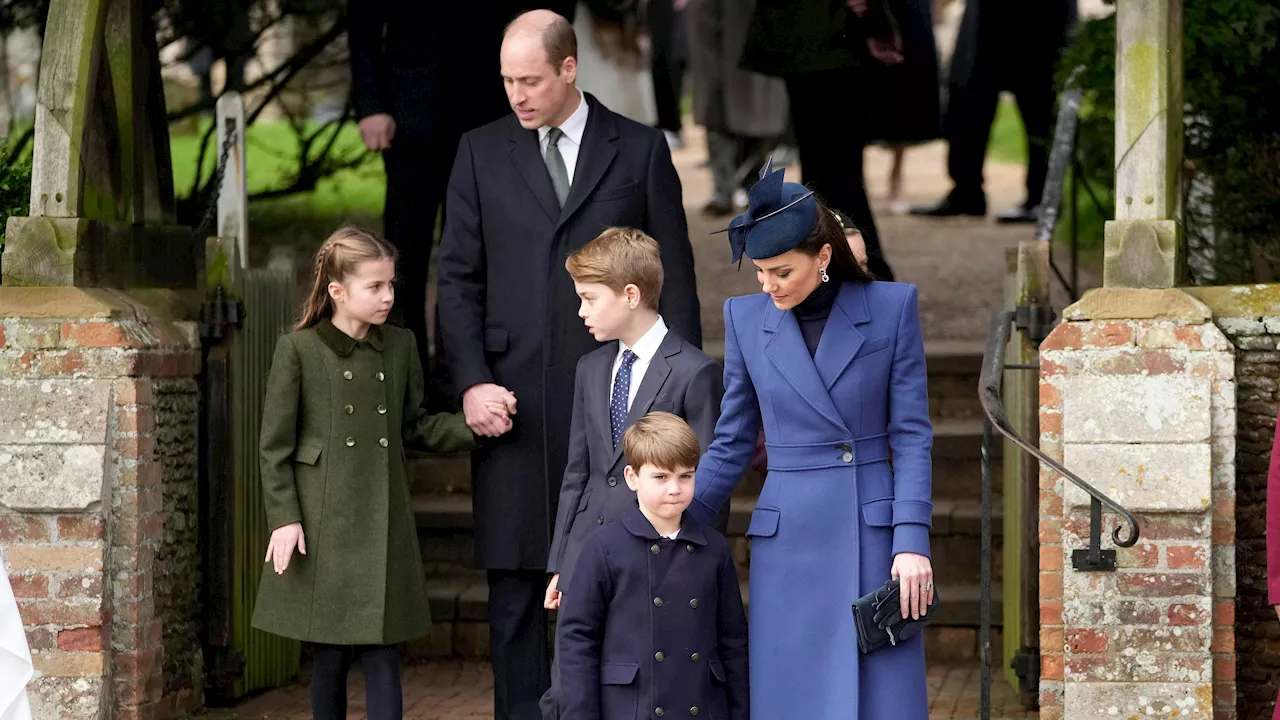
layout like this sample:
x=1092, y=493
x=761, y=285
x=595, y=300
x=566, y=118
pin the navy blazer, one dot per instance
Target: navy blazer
x=680, y=379
x=652, y=626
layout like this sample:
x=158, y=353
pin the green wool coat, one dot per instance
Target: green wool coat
x=337, y=417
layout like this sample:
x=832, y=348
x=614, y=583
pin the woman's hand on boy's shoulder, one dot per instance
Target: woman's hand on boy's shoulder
x=284, y=540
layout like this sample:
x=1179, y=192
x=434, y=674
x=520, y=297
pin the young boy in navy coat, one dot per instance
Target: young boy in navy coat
x=652, y=623
x=646, y=368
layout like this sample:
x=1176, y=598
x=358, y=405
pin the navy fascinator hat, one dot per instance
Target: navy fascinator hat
x=779, y=216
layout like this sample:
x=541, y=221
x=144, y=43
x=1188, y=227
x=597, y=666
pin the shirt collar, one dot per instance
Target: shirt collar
x=648, y=344
x=574, y=126
x=342, y=343
x=637, y=524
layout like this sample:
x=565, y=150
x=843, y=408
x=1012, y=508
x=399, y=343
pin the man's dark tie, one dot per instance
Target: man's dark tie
x=621, y=389
x=555, y=165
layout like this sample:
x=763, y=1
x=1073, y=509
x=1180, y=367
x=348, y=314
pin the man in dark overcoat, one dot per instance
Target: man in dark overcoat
x=1010, y=45
x=423, y=73
x=525, y=192
x=824, y=51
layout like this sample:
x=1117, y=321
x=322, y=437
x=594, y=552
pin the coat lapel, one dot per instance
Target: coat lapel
x=594, y=158
x=655, y=377
x=526, y=155
x=841, y=338
x=786, y=350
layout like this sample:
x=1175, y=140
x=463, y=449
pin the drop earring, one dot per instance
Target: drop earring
x=822, y=273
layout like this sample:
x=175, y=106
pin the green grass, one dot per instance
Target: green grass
x=1008, y=141
x=302, y=220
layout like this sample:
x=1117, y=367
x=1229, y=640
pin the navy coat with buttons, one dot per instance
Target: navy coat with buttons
x=652, y=627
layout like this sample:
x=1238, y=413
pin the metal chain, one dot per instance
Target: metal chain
x=211, y=210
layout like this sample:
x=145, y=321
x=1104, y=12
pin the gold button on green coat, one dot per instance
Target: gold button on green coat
x=382, y=409
x=361, y=581
x=349, y=409
x=381, y=377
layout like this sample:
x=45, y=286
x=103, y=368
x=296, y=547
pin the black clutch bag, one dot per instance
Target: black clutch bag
x=877, y=618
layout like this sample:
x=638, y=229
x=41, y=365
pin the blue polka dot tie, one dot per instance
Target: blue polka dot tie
x=621, y=389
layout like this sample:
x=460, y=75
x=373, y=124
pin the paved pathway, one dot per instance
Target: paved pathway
x=462, y=690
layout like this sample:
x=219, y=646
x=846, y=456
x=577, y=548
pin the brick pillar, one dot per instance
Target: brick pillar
x=83, y=499
x=1144, y=410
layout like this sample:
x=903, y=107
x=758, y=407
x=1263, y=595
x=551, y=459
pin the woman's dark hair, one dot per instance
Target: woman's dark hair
x=827, y=231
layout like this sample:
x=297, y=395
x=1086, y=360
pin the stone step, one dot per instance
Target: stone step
x=460, y=611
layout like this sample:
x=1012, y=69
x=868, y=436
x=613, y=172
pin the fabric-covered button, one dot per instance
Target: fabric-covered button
x=347, y=374
x=382, y=442
x=351, y=442
x=348, y=409
x=382, y=409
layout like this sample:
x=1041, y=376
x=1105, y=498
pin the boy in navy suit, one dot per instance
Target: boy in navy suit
x=652, y=622
x=646, y=367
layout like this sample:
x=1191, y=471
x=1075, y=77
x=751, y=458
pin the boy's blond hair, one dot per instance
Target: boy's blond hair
x=619, y=257
x=662, y=440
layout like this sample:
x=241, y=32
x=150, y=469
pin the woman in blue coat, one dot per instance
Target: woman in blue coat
x=833, y=366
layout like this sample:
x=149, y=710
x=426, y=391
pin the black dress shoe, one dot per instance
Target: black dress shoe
x=1020, y=214
x=950, y=207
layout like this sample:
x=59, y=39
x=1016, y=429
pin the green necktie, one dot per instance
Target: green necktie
x=555, y=165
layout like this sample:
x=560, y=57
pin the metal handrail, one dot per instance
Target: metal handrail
x=990, y=381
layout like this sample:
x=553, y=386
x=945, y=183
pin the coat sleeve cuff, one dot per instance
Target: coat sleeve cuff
x=919, y=512
x=911, y=538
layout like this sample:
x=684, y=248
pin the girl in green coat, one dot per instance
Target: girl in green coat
x=344, y=398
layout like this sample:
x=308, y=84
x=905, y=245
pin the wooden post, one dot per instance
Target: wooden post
x=1144, y=242
x=233, y=197
x=102, y=205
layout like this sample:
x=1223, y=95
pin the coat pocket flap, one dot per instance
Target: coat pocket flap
x=717, y=670
x=307, y=454
x=614, y=192
x=495, y=340
x=878, y=513
x=764, y=522
x=873, y=345
x=618, y=673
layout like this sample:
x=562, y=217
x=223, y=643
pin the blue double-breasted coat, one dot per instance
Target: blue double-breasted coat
x=651, y=627
x=848, y=487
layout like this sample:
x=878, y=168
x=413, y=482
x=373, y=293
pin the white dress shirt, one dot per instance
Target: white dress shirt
x=571, y=142
x=646, y=347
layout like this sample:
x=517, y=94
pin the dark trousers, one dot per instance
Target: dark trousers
x=518, y=642
x=669, y=58
x=735, y=160
x=330, y=667
x=831, y=133
x=970, y=112
x=417, y=175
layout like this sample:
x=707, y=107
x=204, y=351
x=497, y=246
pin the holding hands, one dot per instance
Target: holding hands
x=488, y=409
